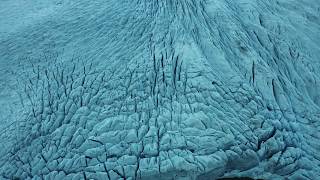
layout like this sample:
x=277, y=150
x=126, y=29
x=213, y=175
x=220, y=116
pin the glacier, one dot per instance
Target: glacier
x=160, y=89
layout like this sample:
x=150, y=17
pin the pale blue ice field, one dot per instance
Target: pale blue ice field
x=160, y=89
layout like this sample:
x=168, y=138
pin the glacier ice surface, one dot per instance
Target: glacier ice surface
x=160, y=89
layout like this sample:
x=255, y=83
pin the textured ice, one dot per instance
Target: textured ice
x=160, y=89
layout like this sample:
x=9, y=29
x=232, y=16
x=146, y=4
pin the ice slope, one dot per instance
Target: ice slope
x=161, y=89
